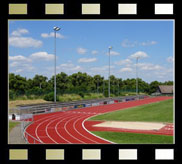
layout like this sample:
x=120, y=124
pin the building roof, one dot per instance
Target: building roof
x=166, y=88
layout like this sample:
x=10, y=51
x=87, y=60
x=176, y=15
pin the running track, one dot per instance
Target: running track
x=67, y=127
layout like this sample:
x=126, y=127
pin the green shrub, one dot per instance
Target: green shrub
x=12, y=95
x=106, y=94
x=81, y=94
x=50, y=97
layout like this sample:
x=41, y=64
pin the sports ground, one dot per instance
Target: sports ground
x=78, y=127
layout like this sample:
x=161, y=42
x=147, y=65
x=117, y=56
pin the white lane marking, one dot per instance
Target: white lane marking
x=59, y=134
x=47, y=133
x=36, y=130
x=38, y=121
x=79, y=132
x=94, y=134
x=69, y=132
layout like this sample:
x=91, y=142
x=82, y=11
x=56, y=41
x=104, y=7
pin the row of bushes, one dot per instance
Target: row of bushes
x=65, y=96
x=81, y=96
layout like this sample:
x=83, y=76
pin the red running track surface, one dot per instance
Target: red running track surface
x=67, y=127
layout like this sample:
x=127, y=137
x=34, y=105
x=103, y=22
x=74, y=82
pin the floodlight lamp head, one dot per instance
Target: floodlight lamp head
x=110, y=47
x=56, y=28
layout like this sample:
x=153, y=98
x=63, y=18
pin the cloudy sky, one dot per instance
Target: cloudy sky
x=83, y=46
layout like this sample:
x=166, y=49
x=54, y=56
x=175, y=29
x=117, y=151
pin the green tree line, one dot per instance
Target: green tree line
x=78, y=83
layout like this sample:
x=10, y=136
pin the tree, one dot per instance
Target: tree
x=61, y=82
x=17, y=83
x=153, y=86
x=168, y=83
x=98, y=81
x=39, y=81
x=81, y=82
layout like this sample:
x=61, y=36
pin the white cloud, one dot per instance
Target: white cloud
x=16, y=60
x=68, y=67
x=87, y=60
x=19, y=64
x=126, y=43
x=81, y=50
x=42, y=56
x=148, y=43
x=17, y=40
x=165, y=74
x=14, y=64
x=127, y=69
x=18, y=70
x=19, y=32
x=139, y=54
x=24, y=42
x=101, y=69
x=149, y=66
x=50, y=35
x=19, y=58
x=76, y=68
x=170, y=59
x=123, y=62
x=94, y=52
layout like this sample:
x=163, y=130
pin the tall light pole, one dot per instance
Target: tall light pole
x=55, y=30
x=137, y=75
x=109, y=72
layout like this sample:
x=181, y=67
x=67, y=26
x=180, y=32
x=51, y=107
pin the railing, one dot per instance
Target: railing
x=31, y=139
x=28, y=137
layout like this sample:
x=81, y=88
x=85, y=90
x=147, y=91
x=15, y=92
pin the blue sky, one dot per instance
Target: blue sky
x=83, y=46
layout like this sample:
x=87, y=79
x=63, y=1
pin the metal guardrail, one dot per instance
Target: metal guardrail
x=28, y=137
x=65, y=104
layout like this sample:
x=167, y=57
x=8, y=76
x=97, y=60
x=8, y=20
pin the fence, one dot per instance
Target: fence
x=13, y=95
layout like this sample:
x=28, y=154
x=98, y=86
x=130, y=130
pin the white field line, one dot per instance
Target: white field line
x=94, y=134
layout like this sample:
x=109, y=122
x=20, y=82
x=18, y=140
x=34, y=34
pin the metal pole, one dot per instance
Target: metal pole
x=55, y=66
x=97, y=86
x=103, y=86
x=118, y=87
x=137, y=76
x=109, y=74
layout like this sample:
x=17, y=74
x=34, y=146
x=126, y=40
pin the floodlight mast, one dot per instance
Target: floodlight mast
x=109, y=72
x=55, y=30
x=137, y=75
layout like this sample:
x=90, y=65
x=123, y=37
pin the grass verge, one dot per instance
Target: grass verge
x=12, y=125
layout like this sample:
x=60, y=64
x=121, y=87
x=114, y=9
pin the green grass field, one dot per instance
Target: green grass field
x=135, y=138
x=155, y=112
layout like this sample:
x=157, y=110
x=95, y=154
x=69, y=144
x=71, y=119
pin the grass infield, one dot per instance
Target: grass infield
x=155, y=112
x=134, y=138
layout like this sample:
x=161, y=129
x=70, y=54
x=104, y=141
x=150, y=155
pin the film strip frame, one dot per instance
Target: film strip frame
x=92, y=9
x=74, y=10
